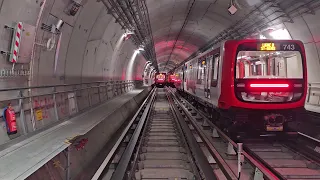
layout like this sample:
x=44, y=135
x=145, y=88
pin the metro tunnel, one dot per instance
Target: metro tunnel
x=159, y=89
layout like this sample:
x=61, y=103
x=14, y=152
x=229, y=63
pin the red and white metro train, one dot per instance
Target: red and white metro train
x=249, y=83
x=160, y=80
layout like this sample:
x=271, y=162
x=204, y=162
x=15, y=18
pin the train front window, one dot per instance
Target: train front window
x=269, y=64
x=269, y=76
x=160, y=77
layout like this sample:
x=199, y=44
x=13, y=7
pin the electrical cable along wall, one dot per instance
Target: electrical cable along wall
x=133, y=16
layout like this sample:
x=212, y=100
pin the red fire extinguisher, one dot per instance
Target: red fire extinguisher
x=9, y=117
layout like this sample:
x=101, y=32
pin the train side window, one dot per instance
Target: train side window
x=200, y=72
x=184, y=69
x=215, y=70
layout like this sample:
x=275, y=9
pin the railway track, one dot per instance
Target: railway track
x=169, y=139
x=264, y=158
x=157, y=144
x=164, y=153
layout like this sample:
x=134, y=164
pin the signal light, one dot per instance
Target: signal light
x=269, y=85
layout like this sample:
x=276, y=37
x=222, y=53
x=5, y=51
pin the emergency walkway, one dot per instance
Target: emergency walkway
x=18, y=160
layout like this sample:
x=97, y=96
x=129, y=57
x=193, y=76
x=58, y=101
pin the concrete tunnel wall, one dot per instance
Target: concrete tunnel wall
x=90, y=40
x=87, y=51
x=90, y=37
x=82, y=165
x=87, y=54
x=88, y=43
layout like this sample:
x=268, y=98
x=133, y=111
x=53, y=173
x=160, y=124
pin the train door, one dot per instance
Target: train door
x=207, y=81
x=187, y=77
x=183, y=75
x=214, y=89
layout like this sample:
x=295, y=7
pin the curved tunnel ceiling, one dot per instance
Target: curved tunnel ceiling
x=181, y=27
x=95, y=47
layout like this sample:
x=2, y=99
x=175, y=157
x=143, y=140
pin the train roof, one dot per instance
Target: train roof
x=215, y=47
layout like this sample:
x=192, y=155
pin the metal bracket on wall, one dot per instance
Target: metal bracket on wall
x=7, y=53
x=49, y=28
x=54, y=29
x=8, y=27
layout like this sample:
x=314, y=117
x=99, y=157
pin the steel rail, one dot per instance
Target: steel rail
x=265, y=170
x=222, y=163
x=138, y=147
x=308, y=147
x=131, y=152
x=309, y=137
x=112, y=152
x=200, y=158
x=122, y=166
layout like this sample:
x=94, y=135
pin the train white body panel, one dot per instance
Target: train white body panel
x=203, y=88
x=227, y=78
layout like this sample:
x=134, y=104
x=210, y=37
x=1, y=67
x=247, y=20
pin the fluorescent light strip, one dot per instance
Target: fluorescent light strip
x=270, y=85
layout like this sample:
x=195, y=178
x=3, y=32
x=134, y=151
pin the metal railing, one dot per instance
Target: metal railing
x=39, y=106
x=313, y=94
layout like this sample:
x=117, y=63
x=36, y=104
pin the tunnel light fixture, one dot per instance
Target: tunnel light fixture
x=232, y=9
x=280, y=34
x=129, y=32
x=141, y=48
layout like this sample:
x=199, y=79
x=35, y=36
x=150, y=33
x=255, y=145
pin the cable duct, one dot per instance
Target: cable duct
x=133, y=15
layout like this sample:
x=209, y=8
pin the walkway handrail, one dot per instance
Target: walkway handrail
x=59, y=85
x=52, y=103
